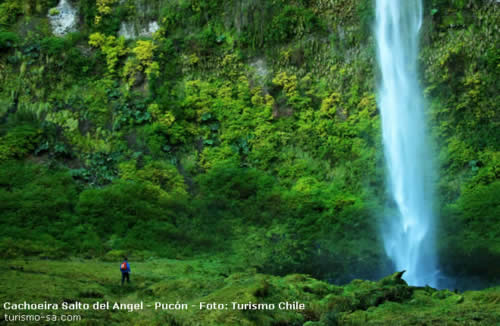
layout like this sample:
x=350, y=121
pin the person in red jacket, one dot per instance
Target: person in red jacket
x=125, y=269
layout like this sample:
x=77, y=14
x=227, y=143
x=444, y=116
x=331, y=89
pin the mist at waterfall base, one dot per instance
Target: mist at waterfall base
x=409, y=231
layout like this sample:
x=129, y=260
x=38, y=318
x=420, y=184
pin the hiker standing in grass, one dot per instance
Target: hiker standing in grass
x=125, y=269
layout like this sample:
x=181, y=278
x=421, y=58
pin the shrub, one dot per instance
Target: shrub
x=132, y=211
x=9, y=10
x=291, y=21
x=53, y=46
x=36, y=206
x=19, y=142
x=8, y=40
x=112, y=47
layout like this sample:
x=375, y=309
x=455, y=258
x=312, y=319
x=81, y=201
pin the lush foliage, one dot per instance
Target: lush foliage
x=248, y=128
x=388, y=301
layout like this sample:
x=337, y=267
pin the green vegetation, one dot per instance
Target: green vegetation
x=386, y=302
x=246, y=129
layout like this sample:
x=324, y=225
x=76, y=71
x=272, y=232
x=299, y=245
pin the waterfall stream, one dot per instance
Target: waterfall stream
x=408, y=234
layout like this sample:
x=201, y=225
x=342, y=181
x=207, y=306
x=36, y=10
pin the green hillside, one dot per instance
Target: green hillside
x=234, y=146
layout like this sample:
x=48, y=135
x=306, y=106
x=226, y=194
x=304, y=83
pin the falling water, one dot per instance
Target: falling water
x=408, y=236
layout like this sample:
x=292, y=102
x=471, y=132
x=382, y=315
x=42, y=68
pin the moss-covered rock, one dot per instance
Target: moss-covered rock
x=198, y=281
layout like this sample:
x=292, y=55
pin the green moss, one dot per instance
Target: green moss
x=19, y=142
x=247, y=129
x=196, y=281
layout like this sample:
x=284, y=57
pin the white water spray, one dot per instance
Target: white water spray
x=408, y=238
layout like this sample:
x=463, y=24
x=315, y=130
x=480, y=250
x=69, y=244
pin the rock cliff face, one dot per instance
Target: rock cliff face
x=143, y=22
x=248, y=128
x=63, y=18
x=133, y=30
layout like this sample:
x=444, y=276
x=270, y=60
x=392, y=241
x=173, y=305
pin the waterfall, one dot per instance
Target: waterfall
x=408, y=234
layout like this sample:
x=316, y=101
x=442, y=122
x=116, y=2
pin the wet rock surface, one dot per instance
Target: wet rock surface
x=63, y=18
